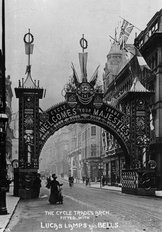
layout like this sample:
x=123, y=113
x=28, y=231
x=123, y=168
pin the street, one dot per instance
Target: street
x=88, y=209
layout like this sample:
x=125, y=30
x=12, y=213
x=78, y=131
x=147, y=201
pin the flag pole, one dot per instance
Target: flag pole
x=114, y=39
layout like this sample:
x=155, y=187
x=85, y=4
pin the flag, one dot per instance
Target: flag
x=126, y=29
x=83, y=65
x=94, y=77
x=141, y=61
x=115, y=34
x=75, y=76
x=128, y=55
x=29, y=48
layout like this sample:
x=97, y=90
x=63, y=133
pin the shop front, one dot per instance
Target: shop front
x=112, y=169
x=94, y=164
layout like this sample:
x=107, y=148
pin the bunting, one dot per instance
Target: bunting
x=94, y=77
x=141, y=61
x=75, y=76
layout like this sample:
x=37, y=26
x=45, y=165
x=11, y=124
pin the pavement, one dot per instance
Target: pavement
x=107, y=187
x=11, y=203
x=97, y=185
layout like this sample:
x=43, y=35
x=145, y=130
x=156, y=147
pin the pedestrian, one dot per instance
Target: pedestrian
x=87, y=181
x=55, y=190
x=103, y=181
x=36, y=186
x=71, y=181
x=48, y=182
x=8, y=182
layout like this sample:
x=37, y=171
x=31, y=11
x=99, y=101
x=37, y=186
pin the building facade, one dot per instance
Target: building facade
x=122, y=77
x=113, y=157
x=149, y=44
x=74, y=152
x=85, y=151
x=54, y=155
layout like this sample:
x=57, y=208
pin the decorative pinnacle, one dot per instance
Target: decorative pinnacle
x=28, y=40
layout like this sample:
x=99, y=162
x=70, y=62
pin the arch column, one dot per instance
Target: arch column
x=28, y=137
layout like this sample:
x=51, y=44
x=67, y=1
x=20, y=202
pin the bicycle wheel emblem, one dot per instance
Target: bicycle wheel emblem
x=83, y=43
x=28, y=38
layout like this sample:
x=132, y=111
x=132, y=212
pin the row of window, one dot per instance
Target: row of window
x=86, y=134
x=93, y=150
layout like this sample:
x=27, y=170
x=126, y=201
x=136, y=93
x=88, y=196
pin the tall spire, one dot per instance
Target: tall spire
x=83, y=59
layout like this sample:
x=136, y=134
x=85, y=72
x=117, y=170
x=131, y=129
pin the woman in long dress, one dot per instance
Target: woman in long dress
x=54, y=187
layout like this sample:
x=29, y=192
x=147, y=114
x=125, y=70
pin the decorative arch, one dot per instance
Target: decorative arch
x=104, y=115
x=84, y=103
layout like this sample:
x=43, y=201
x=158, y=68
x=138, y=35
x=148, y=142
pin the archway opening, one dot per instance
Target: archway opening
x=80, y=150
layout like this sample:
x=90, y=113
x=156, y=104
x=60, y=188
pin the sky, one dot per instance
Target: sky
x=57, y=27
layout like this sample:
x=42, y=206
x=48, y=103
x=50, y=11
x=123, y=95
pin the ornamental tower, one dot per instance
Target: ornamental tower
x=29, y=94
x=137, y=105
x=113, y=64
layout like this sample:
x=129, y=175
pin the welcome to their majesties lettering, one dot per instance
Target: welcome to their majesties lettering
x=110, y=116
x=67, y=114
x=107, y=114
x=113, y=118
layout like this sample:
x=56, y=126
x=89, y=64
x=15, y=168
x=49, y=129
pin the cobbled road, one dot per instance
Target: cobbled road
x=88, y=209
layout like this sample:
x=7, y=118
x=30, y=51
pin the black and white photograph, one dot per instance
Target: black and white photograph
x=80, y=115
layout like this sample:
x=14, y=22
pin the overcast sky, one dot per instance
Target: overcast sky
x=57, y=26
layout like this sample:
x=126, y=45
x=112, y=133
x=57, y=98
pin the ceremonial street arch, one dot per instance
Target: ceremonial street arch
x=84, y=103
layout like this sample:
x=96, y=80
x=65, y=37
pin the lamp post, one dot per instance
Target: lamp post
x=101, y=171
x=3, y=120
x=3, y=170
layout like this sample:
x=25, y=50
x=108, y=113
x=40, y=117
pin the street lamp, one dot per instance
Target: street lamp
x=101, y=171
x=3, y=120
x=3, y=170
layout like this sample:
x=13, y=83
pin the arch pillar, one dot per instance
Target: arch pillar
x=28, y=137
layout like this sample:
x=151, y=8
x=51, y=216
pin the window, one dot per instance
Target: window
x=93, y=130
x=79, y=140
x=93, y=150
x=83, y=136
x=86, y=134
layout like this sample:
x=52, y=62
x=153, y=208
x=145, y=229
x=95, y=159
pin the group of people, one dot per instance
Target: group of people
x=86, y=180
x=52, y=184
